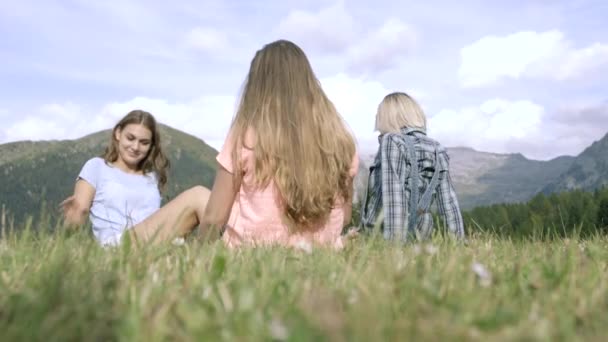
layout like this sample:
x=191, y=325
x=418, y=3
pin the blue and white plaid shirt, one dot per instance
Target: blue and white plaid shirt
x=390, y=171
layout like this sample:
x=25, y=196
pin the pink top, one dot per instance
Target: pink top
x=256, y=217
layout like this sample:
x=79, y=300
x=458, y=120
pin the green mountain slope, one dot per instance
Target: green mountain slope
x=589, y=171
x=483, y=178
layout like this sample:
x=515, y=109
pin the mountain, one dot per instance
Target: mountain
x=589, y=171
x=36, y=176
x=482, y=178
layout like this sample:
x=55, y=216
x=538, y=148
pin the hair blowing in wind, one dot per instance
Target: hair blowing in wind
x=300, y=140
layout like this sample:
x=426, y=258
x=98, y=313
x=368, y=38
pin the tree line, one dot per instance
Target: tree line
x=572, y=213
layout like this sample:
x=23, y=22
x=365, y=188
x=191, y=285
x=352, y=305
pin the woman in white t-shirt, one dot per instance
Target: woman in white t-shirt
x=122, y=188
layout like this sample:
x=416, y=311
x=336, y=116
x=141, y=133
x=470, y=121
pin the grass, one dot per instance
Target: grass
x=64, y=288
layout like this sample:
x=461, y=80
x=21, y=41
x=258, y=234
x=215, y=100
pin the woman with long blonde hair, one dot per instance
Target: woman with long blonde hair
x=289, y=156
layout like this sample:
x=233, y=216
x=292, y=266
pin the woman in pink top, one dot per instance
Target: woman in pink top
x=286, y=168
x=289, y=154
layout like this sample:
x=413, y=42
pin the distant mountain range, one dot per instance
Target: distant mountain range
x=482, y=178
x=36, y=176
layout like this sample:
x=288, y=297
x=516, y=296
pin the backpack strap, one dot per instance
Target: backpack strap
x=414, y=176
x=418, y=207
x=427, y=197
x=371, y=201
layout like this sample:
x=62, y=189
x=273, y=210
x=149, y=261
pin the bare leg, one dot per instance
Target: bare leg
x=177, y=218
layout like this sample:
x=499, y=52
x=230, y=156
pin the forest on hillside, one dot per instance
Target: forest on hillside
x=563, y=214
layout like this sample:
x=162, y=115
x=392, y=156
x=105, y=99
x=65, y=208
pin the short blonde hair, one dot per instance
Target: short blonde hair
x=399, y=110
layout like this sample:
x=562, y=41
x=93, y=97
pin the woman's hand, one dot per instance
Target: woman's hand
x=67, y=204
x=75, y=208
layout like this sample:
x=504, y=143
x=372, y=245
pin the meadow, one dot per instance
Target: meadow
x=60, y=287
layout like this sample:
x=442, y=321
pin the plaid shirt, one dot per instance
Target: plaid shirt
x=391, y=170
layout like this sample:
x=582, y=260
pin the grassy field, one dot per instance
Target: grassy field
x=58, y=288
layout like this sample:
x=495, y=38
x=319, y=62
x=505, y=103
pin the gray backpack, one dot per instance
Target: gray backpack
x=372, y=217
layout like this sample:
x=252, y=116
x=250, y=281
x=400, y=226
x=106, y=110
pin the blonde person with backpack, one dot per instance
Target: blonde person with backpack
x=409, y=173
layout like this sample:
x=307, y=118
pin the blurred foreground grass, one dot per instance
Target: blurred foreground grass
x=59, y=288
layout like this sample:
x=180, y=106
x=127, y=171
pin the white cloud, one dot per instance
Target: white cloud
x=575, y=127
x=333, y=31
x=330, y=29
x=382, y=48
x=51, y=121
x=357, y=101
x=581, y=62
x=527, y=54
x=503, y=126
x=490, y=126
x=207, y=117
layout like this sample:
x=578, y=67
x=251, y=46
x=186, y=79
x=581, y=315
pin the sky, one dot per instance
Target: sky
x=520, y=76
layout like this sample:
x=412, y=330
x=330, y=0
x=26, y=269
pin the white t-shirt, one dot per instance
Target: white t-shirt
x=121, y=200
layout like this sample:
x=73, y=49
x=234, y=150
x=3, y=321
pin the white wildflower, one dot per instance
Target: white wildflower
x=246, y=299
x=278, y=331
x=354, y=297
x=206, y=293
x=483, y=275
x=179, y=241
x=304, y=246
x=430, y=249
x=401, y=261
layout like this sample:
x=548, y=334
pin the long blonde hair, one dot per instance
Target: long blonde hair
x=155, y=160
x=301, y=142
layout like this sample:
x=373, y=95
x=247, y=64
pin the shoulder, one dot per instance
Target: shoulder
x=442, y=156
x=392, y=139
x=438, y=146
x=93, y=165
x=92, y=171
x=431, y=144
x=95, y=162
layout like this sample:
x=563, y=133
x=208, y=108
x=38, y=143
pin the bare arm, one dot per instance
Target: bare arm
x=220, y=201
x=348, y=207
x=76, y=207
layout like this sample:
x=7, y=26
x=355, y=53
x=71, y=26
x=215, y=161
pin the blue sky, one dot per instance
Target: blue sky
x=498, y=76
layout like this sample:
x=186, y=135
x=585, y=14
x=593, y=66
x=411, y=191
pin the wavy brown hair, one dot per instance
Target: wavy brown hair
x=301, y=142
x=155, y=160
